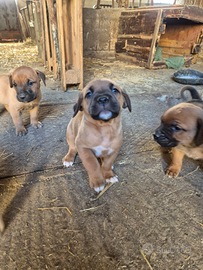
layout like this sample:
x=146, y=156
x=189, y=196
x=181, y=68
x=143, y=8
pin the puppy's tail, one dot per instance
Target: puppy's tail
x=192, y=90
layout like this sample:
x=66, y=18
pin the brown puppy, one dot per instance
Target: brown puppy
x=19, y=90
x=95, y=131
x=182, y=130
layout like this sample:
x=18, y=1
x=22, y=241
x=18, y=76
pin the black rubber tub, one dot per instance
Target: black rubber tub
x=188, y=76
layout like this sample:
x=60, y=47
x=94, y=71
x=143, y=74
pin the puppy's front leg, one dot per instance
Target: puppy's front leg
x=174, y=168
x=92, y=166
x=15, y=114
x=34, y=117
x=107, y=164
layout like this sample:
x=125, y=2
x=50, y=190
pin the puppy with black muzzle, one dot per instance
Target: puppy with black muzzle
x=181, y=130
x=19, y=90
x=95, y=131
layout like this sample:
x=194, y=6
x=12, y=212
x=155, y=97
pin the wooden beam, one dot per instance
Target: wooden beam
x=42, y=32
x=155, y=38
x=54, y=37
x=46, y=33
x=61, y=43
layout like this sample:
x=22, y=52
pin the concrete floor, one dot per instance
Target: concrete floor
x=41, y=201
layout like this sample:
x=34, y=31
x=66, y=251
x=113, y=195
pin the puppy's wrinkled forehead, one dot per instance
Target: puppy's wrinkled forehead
x=21, y=77
x=181, y=113
x=101, y=86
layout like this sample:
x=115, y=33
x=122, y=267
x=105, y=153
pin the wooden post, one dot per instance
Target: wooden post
x=37, y=29
x=42, y=31
x=61, y=43
x=112, y=3
x=46, y=34
x=81, y=43
x=54, y=35
x=154, y=39
x=98, y=4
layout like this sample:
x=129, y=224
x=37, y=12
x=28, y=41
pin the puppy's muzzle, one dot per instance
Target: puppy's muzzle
x=103, y=100
x=164, y=139
x=26, y=96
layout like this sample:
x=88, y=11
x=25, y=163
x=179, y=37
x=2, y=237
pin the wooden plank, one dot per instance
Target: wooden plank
x=81, y=43
x=138, y=36
x=166, y=43
x=22, y=26
x=98, y=4
x=155, y=37
x=46, y=30
x=37, y=29
x=54, y=38
x=42, y=32
x=61, y=43
x=130, y=59
x=137, y=49
x=10, y=34
x=193, y=13
x=137, y=24
x=67, y=31
x=23, y=12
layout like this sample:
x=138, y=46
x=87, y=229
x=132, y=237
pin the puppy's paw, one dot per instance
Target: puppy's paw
x=37, y=124
x=172, y=171
x=67, y=161
x=99, y=189
x=97, y=182
x=112, y=179
x=67, y=164
x=21, y=131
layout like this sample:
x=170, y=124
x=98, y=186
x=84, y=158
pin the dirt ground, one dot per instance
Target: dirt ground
x=52, y=220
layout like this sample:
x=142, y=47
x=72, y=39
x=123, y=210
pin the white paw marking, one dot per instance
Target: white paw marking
x=112, y=179
x=67, y=164
x=112, y=167
x=98, y=189
x=98, y=150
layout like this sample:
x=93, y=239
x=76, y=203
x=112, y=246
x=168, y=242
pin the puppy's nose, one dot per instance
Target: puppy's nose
x=157, y=134
x=103, y=99
x=22, y=96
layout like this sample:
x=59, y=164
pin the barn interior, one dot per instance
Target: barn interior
x=52, y=218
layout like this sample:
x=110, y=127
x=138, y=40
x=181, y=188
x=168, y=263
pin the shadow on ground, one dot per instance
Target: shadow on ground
x=46, y=208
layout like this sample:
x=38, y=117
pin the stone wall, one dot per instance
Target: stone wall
x=100, y=29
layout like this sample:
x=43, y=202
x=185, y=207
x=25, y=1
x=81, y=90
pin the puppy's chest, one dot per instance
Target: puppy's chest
x=101, y=151
x=194, y=152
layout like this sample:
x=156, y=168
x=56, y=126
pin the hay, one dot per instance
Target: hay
x=13, y=55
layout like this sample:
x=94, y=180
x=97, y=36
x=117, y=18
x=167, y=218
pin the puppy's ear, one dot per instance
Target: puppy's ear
x=41, y=75
x=127, y=102
x=199, y=135
x=10, y=78
x=78, y=106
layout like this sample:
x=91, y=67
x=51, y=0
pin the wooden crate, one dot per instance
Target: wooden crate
x=176, y=29
x=63, y=40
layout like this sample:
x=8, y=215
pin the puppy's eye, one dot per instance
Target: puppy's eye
x=114, y=90
x=30, y=83
x=14, y=84
x=88, y=94
x=176, y=128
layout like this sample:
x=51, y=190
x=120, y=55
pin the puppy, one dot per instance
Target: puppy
x=19, y=90
x=95, y=131
x=181, y=130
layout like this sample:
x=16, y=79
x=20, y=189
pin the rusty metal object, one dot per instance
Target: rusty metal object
x=10, y=26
